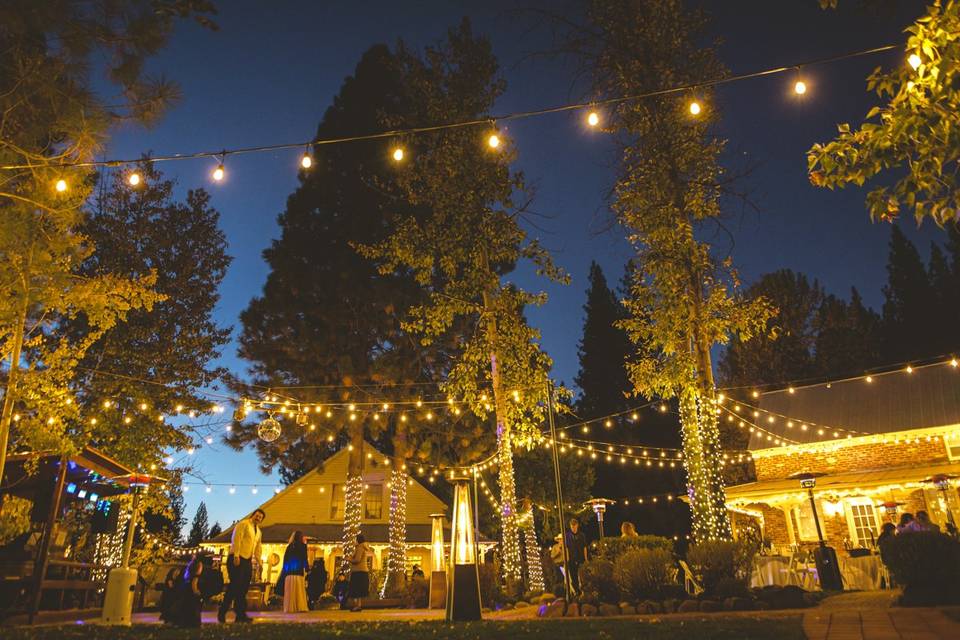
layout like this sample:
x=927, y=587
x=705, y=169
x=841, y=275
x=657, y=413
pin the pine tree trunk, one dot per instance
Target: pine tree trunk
x=508, y=493
x=353, y=495
x=397, y=552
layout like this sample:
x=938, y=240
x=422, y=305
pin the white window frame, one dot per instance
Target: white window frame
x=811, y=534
x=851, y=523
x=953, y=448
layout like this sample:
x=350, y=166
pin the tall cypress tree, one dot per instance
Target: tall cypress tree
x=909, y=303
x=603, y=351
x=198, y=528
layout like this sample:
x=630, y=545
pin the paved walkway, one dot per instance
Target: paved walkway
x=869, y=615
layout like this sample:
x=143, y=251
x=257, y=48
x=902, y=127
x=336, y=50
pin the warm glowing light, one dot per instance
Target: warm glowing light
x=869, y=378
x=914, y=61
x=800, y=87
x=695, y=108
x=593, y=118
x=219, y=173
x=397, y=154
x=493, y=141
x=306, y=161
x=61, y=185
x=909, y=369
x=954, y=363
x=133, y=179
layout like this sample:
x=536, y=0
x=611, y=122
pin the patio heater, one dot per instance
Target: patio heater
x=122, y=580
x=890, y=507
x=828, y=568
x=942, y=482
x=463, y=578
x=599, y=506
x=438, y=563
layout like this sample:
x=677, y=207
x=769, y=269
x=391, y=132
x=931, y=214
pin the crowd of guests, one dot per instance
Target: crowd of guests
x=300, y=584
x=577, y=550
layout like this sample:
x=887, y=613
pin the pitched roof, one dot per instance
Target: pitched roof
x=894, y=401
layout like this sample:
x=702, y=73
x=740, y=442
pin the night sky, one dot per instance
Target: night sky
x=268, y=75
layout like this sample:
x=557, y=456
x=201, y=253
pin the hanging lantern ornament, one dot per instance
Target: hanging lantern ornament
x=268, y=430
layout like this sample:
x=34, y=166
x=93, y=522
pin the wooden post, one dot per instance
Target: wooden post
x=43, y=554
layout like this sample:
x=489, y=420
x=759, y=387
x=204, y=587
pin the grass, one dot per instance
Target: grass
x=732, y=628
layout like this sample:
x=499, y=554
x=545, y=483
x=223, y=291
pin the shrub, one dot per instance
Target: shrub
x=613, y=548
x=927, y=565
x=721, y=563
x=641, y=574
x=417, y=594
x=597, y=581
x=490, y=592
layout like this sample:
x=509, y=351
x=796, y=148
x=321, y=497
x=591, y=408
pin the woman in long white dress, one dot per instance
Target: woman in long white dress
x=294, y=569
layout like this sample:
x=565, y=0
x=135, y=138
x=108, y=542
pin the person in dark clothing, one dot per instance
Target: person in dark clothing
x=577, y=549
x=186, y=611
x=341, y=587
x=169, y=594
x=291, y=576
x=316, y=581
x=417, y=572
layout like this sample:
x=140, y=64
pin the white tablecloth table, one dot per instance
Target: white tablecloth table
x=862, y=573
x=771, y=571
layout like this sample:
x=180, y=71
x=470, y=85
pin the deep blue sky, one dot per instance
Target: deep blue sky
x=268, y=75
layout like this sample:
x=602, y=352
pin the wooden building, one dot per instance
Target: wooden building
x=314, y=504
x=880, y=442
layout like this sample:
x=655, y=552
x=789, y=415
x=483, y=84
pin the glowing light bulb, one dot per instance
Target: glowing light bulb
x=914, y=61
x=593, y=118
x=306, y=161
x=133, y=179
x=398, y=154
x=493, y=141
x=695, y=108
x=61, y=185
x=800, y=87
x=219, y=173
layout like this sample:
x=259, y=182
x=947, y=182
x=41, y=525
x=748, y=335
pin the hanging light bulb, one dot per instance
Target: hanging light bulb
x=133, y=179
x=695, y=108
x=219, y=172
x=593, y=118
x=61, y=185
x=493, y=141
x=398, y=154
x=800, y=87
x=915, y=61
x=306, y=161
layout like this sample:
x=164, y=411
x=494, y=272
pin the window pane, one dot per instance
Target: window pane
x=336, y=502
x=373, y=502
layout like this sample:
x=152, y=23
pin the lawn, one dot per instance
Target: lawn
x=760, y=628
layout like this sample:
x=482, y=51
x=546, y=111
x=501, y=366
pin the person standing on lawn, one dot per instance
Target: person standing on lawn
x=294, y=569
x=359, y=577
x=244, y=547
x=577, y=550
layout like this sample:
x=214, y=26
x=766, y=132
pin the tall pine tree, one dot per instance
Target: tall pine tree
x=198, y=528
x=909, y=304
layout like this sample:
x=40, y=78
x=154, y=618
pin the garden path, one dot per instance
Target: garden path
x=869, y=615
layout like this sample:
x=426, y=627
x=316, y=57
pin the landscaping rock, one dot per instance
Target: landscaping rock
x=609, y=610
x=588, y=610
x=547, y=598
x=688, y=606
x=710, y=606
x=573, y=610
x=555, y=609
x=737, y=604
x=670, y=605
x=522, y=604
x=653, y=606
x=627, y=609
x=507, y=607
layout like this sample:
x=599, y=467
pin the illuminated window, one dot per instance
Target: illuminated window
x=803, y=517
x=862, y=521
x=373, y=502
x=953, y=448
x=336, y=502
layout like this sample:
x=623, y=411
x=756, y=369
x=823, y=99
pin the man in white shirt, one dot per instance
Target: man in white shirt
x=244, y=548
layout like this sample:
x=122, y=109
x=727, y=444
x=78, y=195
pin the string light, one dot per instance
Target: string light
x=397, y=154
x=493, y=141
x=61, y=185
x=306, y=161
x=695, y=108
x=133, y=179
x=915, y=61
x=219, y=173
x=593, y=118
